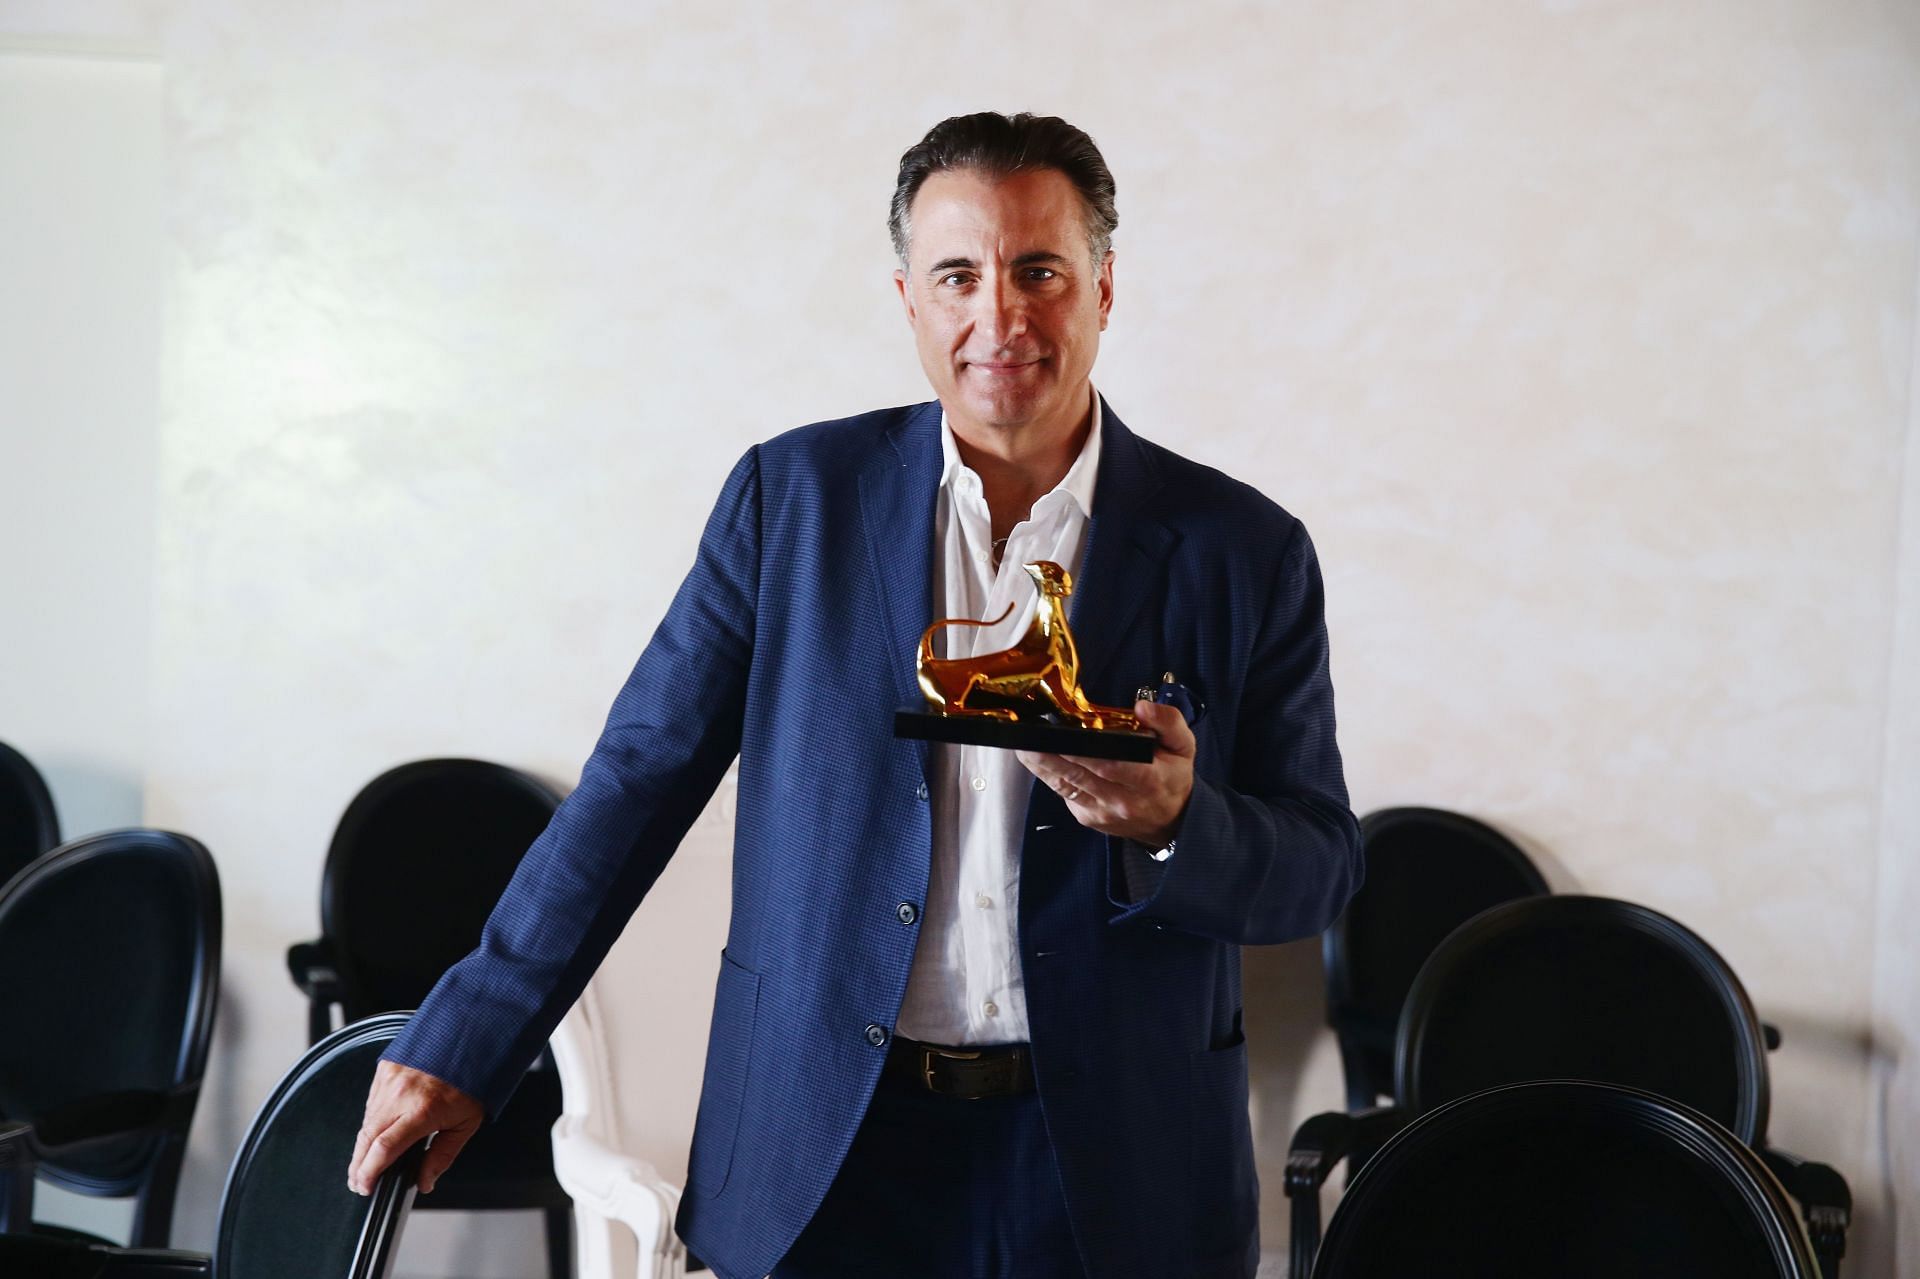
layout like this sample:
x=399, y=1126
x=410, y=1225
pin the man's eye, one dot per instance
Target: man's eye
x=1040, y=273
x=953, y=280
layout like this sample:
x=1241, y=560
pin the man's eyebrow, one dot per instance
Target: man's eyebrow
x=1039, y=257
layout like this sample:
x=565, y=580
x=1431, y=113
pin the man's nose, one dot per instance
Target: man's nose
x=1002, y=312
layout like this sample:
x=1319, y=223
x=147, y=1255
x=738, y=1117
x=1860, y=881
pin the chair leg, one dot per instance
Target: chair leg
x=16, y=1199
x=153, y=1205
x=595, y=1247
x=1305, y=1235
x=560, y=1243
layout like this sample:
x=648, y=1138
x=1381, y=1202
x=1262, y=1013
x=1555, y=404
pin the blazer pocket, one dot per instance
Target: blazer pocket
x=716, y=1125
x=1221, y=1179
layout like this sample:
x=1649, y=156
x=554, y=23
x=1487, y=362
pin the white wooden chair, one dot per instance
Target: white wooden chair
x=630, y=1055
x=622, y=1207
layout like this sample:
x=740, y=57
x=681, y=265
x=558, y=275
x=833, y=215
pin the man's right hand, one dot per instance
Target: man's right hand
x=405, y=1106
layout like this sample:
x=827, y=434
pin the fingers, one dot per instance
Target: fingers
x=1176, y=735
x=1059, y=772
x=1121, y=772
x=393, y=1141
x=1090, y=797
x=404, y=1107
x=1117, y=797
x=362, y=1170
x=1176, y=740
x=446, y=1146
x=361, y=1141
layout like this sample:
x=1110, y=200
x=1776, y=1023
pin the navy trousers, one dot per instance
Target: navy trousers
x=938, y=1188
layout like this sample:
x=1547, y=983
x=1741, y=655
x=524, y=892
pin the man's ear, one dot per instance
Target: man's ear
x=906, y=295
x=1105, y=285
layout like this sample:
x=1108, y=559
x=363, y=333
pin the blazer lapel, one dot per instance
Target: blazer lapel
x=897, y=492
x=1126, y=549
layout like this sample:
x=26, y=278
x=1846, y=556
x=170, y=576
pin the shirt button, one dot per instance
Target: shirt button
x=979, y=783
x=990, y=1008
x=920, y=792
x=876, y=1034
x=906, y=912
x=983, y=901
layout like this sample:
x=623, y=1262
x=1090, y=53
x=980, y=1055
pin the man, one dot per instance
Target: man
x=967, y=1022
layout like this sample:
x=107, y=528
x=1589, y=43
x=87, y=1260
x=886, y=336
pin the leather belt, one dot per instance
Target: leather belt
x=969, y=1074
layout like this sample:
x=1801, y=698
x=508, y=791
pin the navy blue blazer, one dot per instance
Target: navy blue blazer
x=790, y=644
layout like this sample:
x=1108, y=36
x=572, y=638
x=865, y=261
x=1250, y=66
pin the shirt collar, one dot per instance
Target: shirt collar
x=1077, y=483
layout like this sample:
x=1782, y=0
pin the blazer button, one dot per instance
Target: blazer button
x=876, y=1035
x=906, y=912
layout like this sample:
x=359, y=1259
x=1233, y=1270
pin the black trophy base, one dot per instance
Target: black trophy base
x=1133, y=745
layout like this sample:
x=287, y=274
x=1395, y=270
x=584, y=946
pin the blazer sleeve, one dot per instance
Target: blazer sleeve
x=674, y=729
x=1273, y=854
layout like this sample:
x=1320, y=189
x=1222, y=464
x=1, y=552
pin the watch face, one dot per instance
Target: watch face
x=1166, y=852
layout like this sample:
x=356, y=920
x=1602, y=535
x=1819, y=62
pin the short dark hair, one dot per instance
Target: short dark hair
x=1003, y=145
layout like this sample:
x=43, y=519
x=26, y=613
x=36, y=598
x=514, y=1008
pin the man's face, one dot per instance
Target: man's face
x=1004, y=299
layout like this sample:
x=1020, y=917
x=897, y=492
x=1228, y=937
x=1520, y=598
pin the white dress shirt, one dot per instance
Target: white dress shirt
x=966, y=985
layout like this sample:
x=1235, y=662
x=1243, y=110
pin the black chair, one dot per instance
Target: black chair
x=1573, y=988
x=29, y=825
x=1428, y=872
x=1566, y=1178
x=286, y=1211
x=417, y=862
x=111, y=950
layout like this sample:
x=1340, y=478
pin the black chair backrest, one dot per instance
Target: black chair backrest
x=1583, y=988
x=417, y=862
x=111, y=950
x=287, y=1211
x=1428, y=872
x=1566, y=1178
x=29, y=826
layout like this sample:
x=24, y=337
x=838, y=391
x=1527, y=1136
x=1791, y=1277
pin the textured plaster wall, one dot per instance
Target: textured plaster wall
x=1894, y=1138
x=81, y=235
x=81, y=239
x=1581, y=335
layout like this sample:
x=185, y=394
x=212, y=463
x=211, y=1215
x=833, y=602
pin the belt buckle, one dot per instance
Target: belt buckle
x=928, y=1052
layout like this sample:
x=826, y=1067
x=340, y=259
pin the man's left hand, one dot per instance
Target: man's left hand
x=1141, y=802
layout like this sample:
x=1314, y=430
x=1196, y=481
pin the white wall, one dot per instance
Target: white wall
x=81, y=225
x=1581, y=335
x=1894, y=1137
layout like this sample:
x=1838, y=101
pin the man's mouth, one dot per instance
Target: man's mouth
x=1002, y=368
